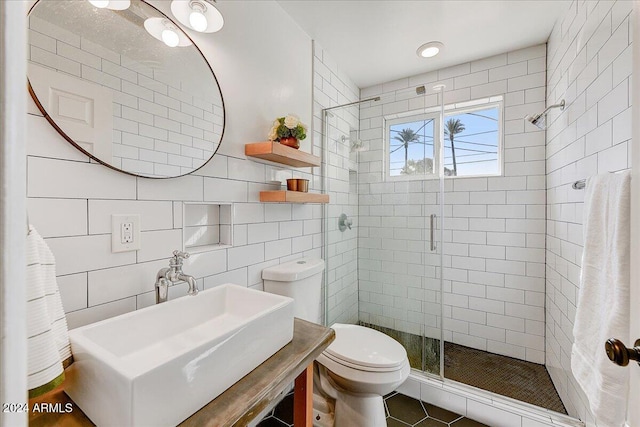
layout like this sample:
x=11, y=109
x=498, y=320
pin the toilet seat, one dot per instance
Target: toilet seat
x=365, y=349
x=336, y=360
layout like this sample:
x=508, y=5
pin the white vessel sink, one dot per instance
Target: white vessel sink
x=159, y=365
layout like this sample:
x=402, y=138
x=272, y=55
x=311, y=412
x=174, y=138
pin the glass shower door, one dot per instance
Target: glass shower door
x=340, y=246
x=399, y=250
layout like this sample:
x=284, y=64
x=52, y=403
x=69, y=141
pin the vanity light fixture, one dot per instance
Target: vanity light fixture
x=430, y=49
x=196, y=18
x=198, y=15
x=170, y=37
x=111, y=4
x=100, y=4
x=163, y=30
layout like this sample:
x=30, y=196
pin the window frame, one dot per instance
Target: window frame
x=434, y=112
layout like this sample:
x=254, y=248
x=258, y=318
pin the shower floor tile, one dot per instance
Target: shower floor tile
x=525, y=381
x=518, y=379
x=402, y=411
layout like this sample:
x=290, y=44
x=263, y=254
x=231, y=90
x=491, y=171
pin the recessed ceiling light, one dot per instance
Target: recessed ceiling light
x=429, y=50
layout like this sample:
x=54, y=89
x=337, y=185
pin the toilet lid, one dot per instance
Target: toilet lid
x=366, y=347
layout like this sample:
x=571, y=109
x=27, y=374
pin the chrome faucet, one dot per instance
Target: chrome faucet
x=173, y=274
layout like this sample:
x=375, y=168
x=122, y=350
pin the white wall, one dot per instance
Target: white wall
x=589, y=65
x=493, y=226
x=71, y=199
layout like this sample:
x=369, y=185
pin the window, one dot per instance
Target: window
x=411, y=146
x=472, y=142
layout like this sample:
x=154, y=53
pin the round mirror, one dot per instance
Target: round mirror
x=121, y=82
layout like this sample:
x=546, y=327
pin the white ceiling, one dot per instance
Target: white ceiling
x=375, y=41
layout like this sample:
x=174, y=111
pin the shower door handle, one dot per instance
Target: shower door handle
x=432, y=220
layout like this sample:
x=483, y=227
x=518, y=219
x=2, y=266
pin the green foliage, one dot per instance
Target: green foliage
x=422, y=167
x=298, y=132
x=453, y=127
x=418, y=167
x=283, y=131
x=407, y=136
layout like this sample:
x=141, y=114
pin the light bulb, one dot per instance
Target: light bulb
x=99, y=3
x=430, y=51
x=170, y=37
x=198, y=21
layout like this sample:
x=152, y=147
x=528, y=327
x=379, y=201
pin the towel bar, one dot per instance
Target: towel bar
x=582, y=183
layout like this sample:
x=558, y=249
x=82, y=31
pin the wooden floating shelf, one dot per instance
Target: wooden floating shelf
x=278, y=153
x=283, y=196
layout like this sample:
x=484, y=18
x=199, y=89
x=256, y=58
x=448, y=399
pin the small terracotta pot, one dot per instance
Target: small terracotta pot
x=303, y=185
x=292, y=184
x=290, y=142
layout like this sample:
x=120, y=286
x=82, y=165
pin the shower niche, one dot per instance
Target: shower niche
x=207, y=226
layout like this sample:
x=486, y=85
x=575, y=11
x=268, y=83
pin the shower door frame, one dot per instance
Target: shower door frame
x=13, y=161
x=633, y=412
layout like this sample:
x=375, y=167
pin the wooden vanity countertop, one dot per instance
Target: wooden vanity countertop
x=240, y=403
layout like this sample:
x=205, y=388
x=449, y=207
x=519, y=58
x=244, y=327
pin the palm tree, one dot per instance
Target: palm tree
x=452, y=128
x=406, y=137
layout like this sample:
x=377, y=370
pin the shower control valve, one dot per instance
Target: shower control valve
x=344, y=222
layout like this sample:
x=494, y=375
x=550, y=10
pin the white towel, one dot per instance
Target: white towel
x=603, y=303
x=48, y=342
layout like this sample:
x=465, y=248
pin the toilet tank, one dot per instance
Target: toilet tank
x=301, y=280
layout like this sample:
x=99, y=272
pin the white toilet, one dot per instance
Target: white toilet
x=359, y=367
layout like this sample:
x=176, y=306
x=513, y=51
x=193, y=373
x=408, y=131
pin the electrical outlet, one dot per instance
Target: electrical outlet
x=125, y=233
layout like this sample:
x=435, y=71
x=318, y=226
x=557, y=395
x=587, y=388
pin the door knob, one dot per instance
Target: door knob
x=619, y=354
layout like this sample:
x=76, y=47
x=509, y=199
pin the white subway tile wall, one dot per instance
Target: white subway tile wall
x=589, y=66
x=161, y=126
x=332, y=87
x=71, y=201
x=493, y=226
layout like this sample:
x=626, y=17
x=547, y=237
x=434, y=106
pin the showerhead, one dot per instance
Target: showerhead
x=539, y=120
x=358, y=145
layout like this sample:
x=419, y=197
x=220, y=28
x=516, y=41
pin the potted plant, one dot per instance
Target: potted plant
x=288, y=131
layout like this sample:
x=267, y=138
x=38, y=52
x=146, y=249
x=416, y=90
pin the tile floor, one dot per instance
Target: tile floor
x=402, y=411
x=518, y=379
